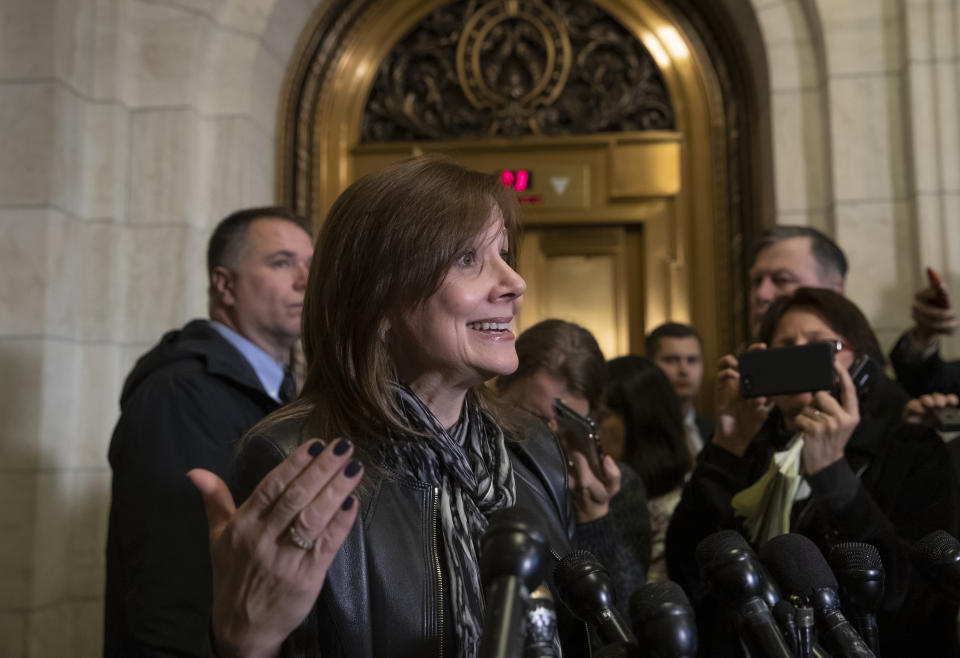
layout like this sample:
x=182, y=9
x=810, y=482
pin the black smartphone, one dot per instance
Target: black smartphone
x=948, y=418
x=863, y=372
x=579, y=433
x=787, y=370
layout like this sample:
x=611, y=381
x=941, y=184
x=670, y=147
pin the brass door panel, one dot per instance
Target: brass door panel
x=590, y=276
x=652, y=203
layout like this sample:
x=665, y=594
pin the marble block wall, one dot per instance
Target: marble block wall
x=866, y=144
x=129, y=127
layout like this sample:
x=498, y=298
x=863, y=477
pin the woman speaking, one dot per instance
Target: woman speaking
x=409, y=309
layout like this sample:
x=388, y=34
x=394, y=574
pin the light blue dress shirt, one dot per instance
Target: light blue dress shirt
x=269, y=372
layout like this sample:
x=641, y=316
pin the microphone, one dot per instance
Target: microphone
x=541, y=625
x=937, y=556
x=513, y=562
x=663, y=621
x=730, y=568
x=801, y=569
x=584, y=587
x=860, y=571
x=806, y=635
x=786, y=616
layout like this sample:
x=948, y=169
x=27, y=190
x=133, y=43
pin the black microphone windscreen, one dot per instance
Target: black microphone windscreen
x=936, y=546
x=784, y=611
x=797, y=564
x=715, y=550
x=855, y=555
x=654, y=599
x=513, y=545
x=572, y=565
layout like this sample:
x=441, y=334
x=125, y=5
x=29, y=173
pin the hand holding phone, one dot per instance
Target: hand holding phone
x=935, y=410
x=932, y=314
x=940, y=299
x=593, y=477
x=579, y=433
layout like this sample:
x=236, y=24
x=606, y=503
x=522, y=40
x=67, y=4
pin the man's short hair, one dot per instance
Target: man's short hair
x=651, y=344
x=563, y=350
x=230, y=236
x=825, y=251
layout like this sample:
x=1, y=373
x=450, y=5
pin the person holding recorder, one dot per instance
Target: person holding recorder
x=408, y=310
x=867, y=476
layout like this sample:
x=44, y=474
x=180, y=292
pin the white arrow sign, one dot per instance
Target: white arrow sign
x=560, y=184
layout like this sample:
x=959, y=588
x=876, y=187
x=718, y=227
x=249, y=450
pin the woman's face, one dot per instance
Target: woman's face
x=463, y=334
x=800, y=326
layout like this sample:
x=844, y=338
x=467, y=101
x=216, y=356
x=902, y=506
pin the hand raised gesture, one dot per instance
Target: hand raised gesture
x=270, y=557
x=738, y=419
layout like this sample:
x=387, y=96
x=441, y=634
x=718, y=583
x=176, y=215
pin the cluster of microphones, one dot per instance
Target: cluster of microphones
x=788, y=601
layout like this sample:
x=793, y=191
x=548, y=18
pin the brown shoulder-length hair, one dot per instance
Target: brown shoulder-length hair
x=385, y=247
x=837, y=311
x=563, y=350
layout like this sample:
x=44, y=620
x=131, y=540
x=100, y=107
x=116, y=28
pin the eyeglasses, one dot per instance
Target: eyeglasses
x=839, y=345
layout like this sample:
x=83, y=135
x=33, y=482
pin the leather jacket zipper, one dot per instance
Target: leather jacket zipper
x=436, y=564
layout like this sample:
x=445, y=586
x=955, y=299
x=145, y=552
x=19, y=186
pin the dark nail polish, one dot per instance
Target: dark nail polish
x=352, y=468
x=347, y=504
x=315, y=448
x=341, y=448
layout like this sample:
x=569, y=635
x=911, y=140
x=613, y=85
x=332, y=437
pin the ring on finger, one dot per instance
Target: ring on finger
x=296, y=537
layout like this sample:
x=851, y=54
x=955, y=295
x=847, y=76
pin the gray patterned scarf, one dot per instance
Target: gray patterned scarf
x=470, y=466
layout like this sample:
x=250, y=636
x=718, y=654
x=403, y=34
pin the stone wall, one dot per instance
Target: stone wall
x=130, y=126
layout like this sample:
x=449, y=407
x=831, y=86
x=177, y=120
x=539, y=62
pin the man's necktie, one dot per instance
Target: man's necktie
x=288, y=390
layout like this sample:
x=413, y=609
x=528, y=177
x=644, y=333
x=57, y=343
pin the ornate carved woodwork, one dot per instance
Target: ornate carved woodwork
x=515, y=67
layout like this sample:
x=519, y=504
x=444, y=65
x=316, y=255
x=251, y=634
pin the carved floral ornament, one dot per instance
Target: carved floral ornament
x=515, y=67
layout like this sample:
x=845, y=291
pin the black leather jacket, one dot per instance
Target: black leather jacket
x=384, y=593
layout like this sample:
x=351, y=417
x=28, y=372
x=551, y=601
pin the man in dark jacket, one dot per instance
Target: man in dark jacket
x=185, y=405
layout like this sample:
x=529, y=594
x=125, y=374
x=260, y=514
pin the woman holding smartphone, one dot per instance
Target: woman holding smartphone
x=868, y=477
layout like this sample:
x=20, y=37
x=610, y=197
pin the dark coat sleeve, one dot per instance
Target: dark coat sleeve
x=907, y=492
x=931, y=375
x=621, y=539
x=158, y=579
x=705, y=508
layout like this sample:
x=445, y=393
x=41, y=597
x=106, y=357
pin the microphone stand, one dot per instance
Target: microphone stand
x=805, y=631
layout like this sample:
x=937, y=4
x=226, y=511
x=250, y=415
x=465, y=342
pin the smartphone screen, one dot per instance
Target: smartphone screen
x=787, y=370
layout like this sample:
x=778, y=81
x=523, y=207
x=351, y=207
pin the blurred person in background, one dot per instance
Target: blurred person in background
x=559, y=359
x=645, y=411
x=677, y=350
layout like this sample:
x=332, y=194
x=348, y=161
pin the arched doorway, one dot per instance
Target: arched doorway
x=647, y=217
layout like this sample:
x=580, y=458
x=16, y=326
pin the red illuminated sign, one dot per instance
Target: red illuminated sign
x=518, y=180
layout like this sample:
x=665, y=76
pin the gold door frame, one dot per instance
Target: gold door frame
x=334, y=67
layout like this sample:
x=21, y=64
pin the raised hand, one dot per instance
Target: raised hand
x=592, y=494
x=827, y=425
x=270, y=557
x=932, y=319
x=738, y=419
x=920, y=411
